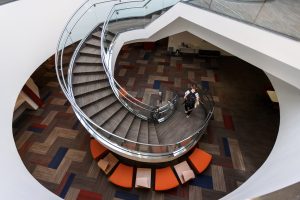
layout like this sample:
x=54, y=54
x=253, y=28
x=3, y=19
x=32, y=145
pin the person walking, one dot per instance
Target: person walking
x=191, y=100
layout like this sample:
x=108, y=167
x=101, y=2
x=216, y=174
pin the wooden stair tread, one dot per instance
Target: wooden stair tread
x=89, y=87
x=100, y=105
x=133, y=132
x=84, y=78
x=101, y=117
x=93, y=97
x=153, y=139
x=114, y=121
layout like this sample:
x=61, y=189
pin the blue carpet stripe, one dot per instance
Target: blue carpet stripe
x=205, y=85
x=156, y=84
x=35, y=129
x=146, y=56
x=46, y=96
x=203, y=181
x=56, y=160
x=226, y=147
x=76, y=125
x=67, y=185
x=126, y=195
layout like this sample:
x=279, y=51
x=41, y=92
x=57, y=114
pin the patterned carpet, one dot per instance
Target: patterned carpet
x=55, y=147
x=144, y=73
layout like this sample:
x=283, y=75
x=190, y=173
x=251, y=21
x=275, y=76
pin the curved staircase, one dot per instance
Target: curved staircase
x=94, y=95
x=120, y=122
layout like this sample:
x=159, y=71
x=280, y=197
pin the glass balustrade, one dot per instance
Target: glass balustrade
x=281, y=17
x=125, y=16
x=95, y=15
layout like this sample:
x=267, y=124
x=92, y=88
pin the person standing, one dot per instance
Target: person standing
x=191, y=100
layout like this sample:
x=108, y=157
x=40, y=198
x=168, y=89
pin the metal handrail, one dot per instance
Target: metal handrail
x=103, y=54
x=104, y=27
x=143, y=106
x=90, y=124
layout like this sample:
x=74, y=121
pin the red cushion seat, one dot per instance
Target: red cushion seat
x=122, y=176
x=97, y=150
x=200, y=159
x=165, y=179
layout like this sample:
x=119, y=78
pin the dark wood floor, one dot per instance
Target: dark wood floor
x=55, y=147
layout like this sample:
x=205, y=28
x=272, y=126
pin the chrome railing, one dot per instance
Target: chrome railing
x=140, y=11
x=73, y=31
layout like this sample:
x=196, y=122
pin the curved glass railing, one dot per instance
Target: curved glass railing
x=81, y=25
x=125, y=16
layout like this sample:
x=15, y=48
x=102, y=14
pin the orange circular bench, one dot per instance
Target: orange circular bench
x=200, y=160
x=165, y=179
x=122, y=176
x=97, y=150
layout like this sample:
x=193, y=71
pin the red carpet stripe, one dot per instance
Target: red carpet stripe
x=217, y=78
x=62, y=184
x=228, y=123
x=87, y=195
x=67, y=185
x=32, y=95
x=23, y=150
x=42, y=126
x=179, y=67
x=38, y=128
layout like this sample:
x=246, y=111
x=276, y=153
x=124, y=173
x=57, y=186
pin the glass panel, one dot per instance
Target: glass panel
x=126, y=16
x=270, y=15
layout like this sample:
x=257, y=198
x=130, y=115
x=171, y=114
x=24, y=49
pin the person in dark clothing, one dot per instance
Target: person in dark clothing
x=191, y=100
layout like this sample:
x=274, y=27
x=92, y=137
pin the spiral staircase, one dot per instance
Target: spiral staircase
x=95, y=97
x=111, y=115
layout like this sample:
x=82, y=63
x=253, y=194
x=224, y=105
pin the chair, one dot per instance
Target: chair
x=143, y=178
x=97, y=150
x=165, y=179
x=122, y=176
x=184, y=172
x=200, y=159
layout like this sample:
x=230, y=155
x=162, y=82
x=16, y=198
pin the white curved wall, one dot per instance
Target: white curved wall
x=274, y=54
x=29, y=34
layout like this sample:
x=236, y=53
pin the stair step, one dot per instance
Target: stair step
x=100, y=105
x=97, y=34
x=109, y=36
x=89, y=59
x=85, y=78
x=89, y=73
x=89, y=87
x=114, y=121
x=133, y=132
x=144, y=137
x=124, y=126
x=153, y=138
x=143, y=133
x=82, y=68
x=91, y=50
x=154, y=17
x=107, y=113
x=92, y=97
x=94, y=42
